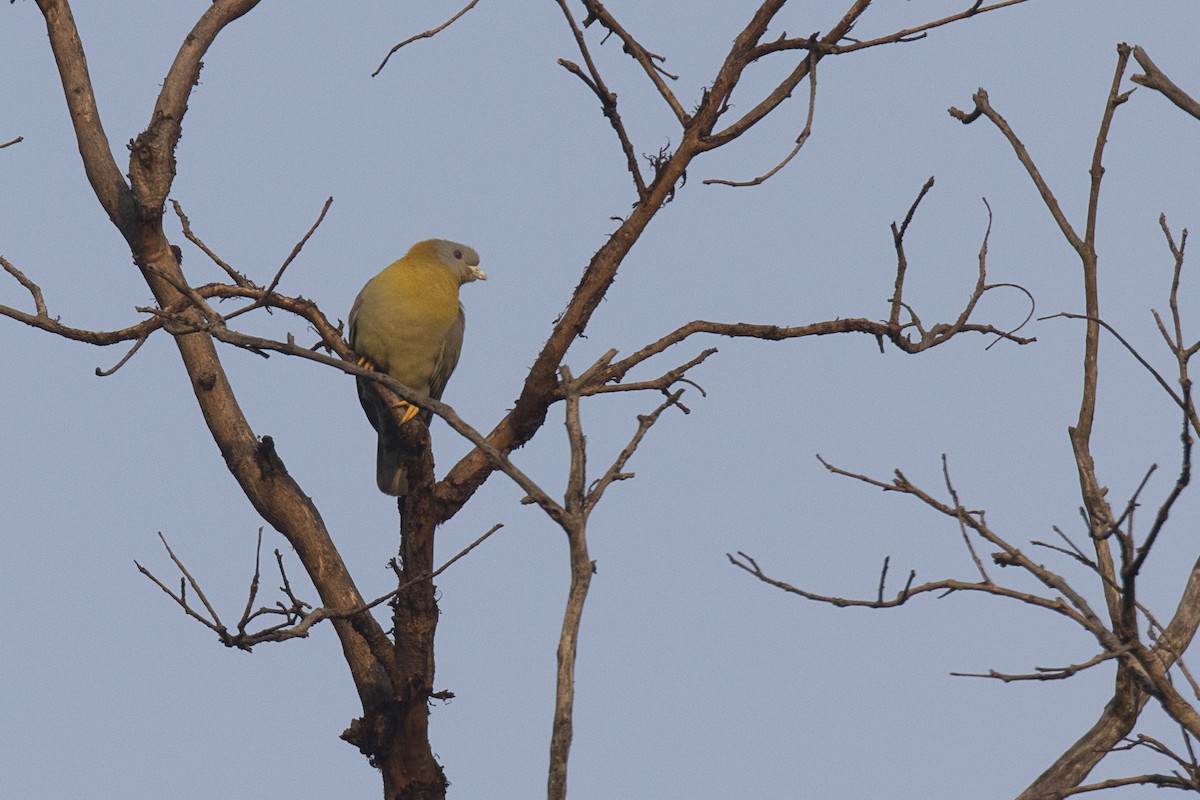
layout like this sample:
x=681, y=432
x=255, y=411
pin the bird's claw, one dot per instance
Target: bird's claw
x=410, y=411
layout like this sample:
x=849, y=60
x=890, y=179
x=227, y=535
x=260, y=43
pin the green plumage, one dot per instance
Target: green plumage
x=407, y=322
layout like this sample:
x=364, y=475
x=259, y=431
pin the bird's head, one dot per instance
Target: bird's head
x=463, y=261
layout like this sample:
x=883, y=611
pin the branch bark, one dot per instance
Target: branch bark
x=137, y=211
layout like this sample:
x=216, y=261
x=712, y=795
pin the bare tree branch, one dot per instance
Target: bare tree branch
x=1148, y=779
x=904, y=36
x=649, y=62
x=137, y=345
x=1156, y=79
x=574, y=523
x=1129, y=347
x=616, y=471
x=983, y=107
x=1042, y=673
x=238, y=278
x=425, y=35
x=962, y=522
x=286, y=262
x=608, y=99
x=800, y=140
x=102, y=171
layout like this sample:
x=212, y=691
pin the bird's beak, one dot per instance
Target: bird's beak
x=477, y=274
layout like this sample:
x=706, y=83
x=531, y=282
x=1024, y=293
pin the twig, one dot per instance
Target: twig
x=212, y=318
x=1042, y=673
x=425, y=35
x=608, y=99
x=258, y=303
x=1132, y=504
x=237, y=277
x=616, y=471
x=418, y=579
x=574, y=523
x=1148, y=779
x=594, y=384
x=941, y=587
x=1074, y=551
x=214, y=623
x=883, y=578
x=800, y=140
x=961, y=514
x=12, y=142
x=1129, y=347
x=1164, y=510
x=1071, y=603
x=905, y=36
x=776, y=333
x=984, y=108
x=253, y=592
x=39, y=303
x=1156, y=79
x=650, y=62
x=297, y=617
x=137, y=345
x=897, y=298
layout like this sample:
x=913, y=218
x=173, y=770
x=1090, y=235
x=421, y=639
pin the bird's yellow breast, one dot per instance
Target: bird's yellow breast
x=402, y=317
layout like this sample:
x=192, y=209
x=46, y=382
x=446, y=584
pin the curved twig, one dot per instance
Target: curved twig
x=424, y=35
x=800, y=140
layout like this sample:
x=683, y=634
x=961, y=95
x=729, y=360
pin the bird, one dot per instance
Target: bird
x=407, y=322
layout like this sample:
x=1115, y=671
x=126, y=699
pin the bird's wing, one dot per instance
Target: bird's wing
x=448, y=360
x=352, y=320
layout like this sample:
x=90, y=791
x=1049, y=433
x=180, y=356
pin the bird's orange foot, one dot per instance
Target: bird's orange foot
x=410, y=411
x=366, y=363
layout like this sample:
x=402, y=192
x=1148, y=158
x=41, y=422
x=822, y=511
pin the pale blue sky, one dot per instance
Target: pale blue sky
x=695, y=681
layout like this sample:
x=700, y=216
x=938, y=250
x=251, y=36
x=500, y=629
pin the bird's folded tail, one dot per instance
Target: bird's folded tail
x=390, y=475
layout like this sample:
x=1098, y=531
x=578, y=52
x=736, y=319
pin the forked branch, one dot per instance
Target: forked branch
x=1154, y=78
x=297, y=617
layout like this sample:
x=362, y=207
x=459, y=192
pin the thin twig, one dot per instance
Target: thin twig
x=905, y=36
x=253, y=591
x=616, y=471
x=137, y=345
x=39, y=303
x=212, y=318
x=258, y=303
x=983, y=107
x=237, y=277
x=425, y=35
x=1129, y=347
x=418, y=579
x=1156, y=79
x=608, y=99
x=962, y=514
x=1042, y=673
x=650, y=62
x=800, y=140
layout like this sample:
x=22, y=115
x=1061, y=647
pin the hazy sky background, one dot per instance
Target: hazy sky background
x=695, y=680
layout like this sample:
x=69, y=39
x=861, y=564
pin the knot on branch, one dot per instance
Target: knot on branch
x=369, y=732
x=269, y=462
x=152, y=166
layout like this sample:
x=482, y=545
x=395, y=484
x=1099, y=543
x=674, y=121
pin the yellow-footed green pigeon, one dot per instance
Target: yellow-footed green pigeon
x=407, y=322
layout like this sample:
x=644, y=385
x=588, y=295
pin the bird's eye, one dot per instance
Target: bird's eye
x=458, y=254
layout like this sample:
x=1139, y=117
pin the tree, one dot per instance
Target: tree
x=395, y=680
x=1149, y=653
